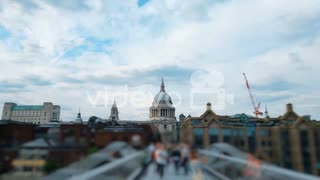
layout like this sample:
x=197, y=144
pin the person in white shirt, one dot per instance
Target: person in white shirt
x=161, y=159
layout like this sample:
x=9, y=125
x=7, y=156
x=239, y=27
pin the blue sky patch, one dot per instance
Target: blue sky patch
x=278, y=85
x=142, y=2
x=275, y=99
x=75, y=52
x=91, y=44
x=4, y=33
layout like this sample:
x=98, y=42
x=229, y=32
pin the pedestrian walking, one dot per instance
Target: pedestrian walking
x=176, y=157
x=150, y=150
x=185, y=157
x=146, y=161
x=161, y=159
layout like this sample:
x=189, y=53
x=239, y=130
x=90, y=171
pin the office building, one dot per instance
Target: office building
x=35, y=114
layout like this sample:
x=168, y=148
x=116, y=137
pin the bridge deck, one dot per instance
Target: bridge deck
x=169, y=173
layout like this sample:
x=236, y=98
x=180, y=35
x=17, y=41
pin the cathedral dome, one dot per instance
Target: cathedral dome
x=162, y=98
x=79, y=119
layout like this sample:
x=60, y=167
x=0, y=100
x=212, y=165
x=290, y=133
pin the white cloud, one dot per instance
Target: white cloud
x=257, y=37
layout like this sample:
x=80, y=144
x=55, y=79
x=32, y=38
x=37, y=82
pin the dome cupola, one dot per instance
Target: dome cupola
x=162, y=98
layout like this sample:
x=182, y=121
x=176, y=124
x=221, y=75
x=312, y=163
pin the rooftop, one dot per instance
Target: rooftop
x=27, y=107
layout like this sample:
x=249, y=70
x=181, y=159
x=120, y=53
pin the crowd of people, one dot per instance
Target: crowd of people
x=162, y=155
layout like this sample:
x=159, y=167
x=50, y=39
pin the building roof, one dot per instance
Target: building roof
x=241, y=115
x=289, y=118
x=39, y=143
x=27, y=107
x=79, y=118
x=162, y=98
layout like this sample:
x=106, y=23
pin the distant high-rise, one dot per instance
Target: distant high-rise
x=36, y=114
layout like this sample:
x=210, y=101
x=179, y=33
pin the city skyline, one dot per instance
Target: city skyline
x=68, y=53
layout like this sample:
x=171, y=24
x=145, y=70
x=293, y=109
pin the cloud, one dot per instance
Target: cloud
x=62, y=50
x=6, y=87
x=276, y=85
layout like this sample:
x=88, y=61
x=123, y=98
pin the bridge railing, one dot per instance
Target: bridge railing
x=226, y=162
x=112, y=170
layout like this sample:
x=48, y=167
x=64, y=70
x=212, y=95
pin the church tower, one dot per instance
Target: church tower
x=114, y=112
x=79, y=119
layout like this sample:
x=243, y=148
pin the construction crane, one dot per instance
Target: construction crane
x=256, y=108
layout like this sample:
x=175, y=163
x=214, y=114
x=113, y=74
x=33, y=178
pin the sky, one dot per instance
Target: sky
x=85, y=54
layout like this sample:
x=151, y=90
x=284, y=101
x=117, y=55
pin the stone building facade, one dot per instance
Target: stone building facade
x=35, y=114
x=290, y=140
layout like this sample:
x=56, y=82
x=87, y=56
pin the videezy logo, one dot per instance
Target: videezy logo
x=209, y=86
x=205, y=86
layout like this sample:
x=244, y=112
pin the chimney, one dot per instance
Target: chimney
x=209, y=107
x=289, y=107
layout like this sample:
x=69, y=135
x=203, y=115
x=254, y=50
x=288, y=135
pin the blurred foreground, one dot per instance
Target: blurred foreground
x=121, y=161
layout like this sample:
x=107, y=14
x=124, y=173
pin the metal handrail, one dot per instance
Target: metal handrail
x=100, y=170
x=215, y=173
x=264, y=166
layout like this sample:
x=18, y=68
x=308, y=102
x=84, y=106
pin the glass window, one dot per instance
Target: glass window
x=264, y=132
x=226, y=135
x=226, y=132
x=213, y=135
x=198, y=137
x=286, y=146
x=195, y=122
x=305, y=150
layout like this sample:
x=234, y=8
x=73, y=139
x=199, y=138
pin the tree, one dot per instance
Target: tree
x=50, y=166
x=92, y=150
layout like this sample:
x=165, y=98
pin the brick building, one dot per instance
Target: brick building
x=63, y=143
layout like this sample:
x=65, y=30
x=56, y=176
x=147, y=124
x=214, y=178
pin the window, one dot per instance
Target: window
x=213, y=135
x=286, y=146
x=264, y=132
x=241, y=142
x=196, y=122
x=226, y=135
x=305, y=150
x=198, y=137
